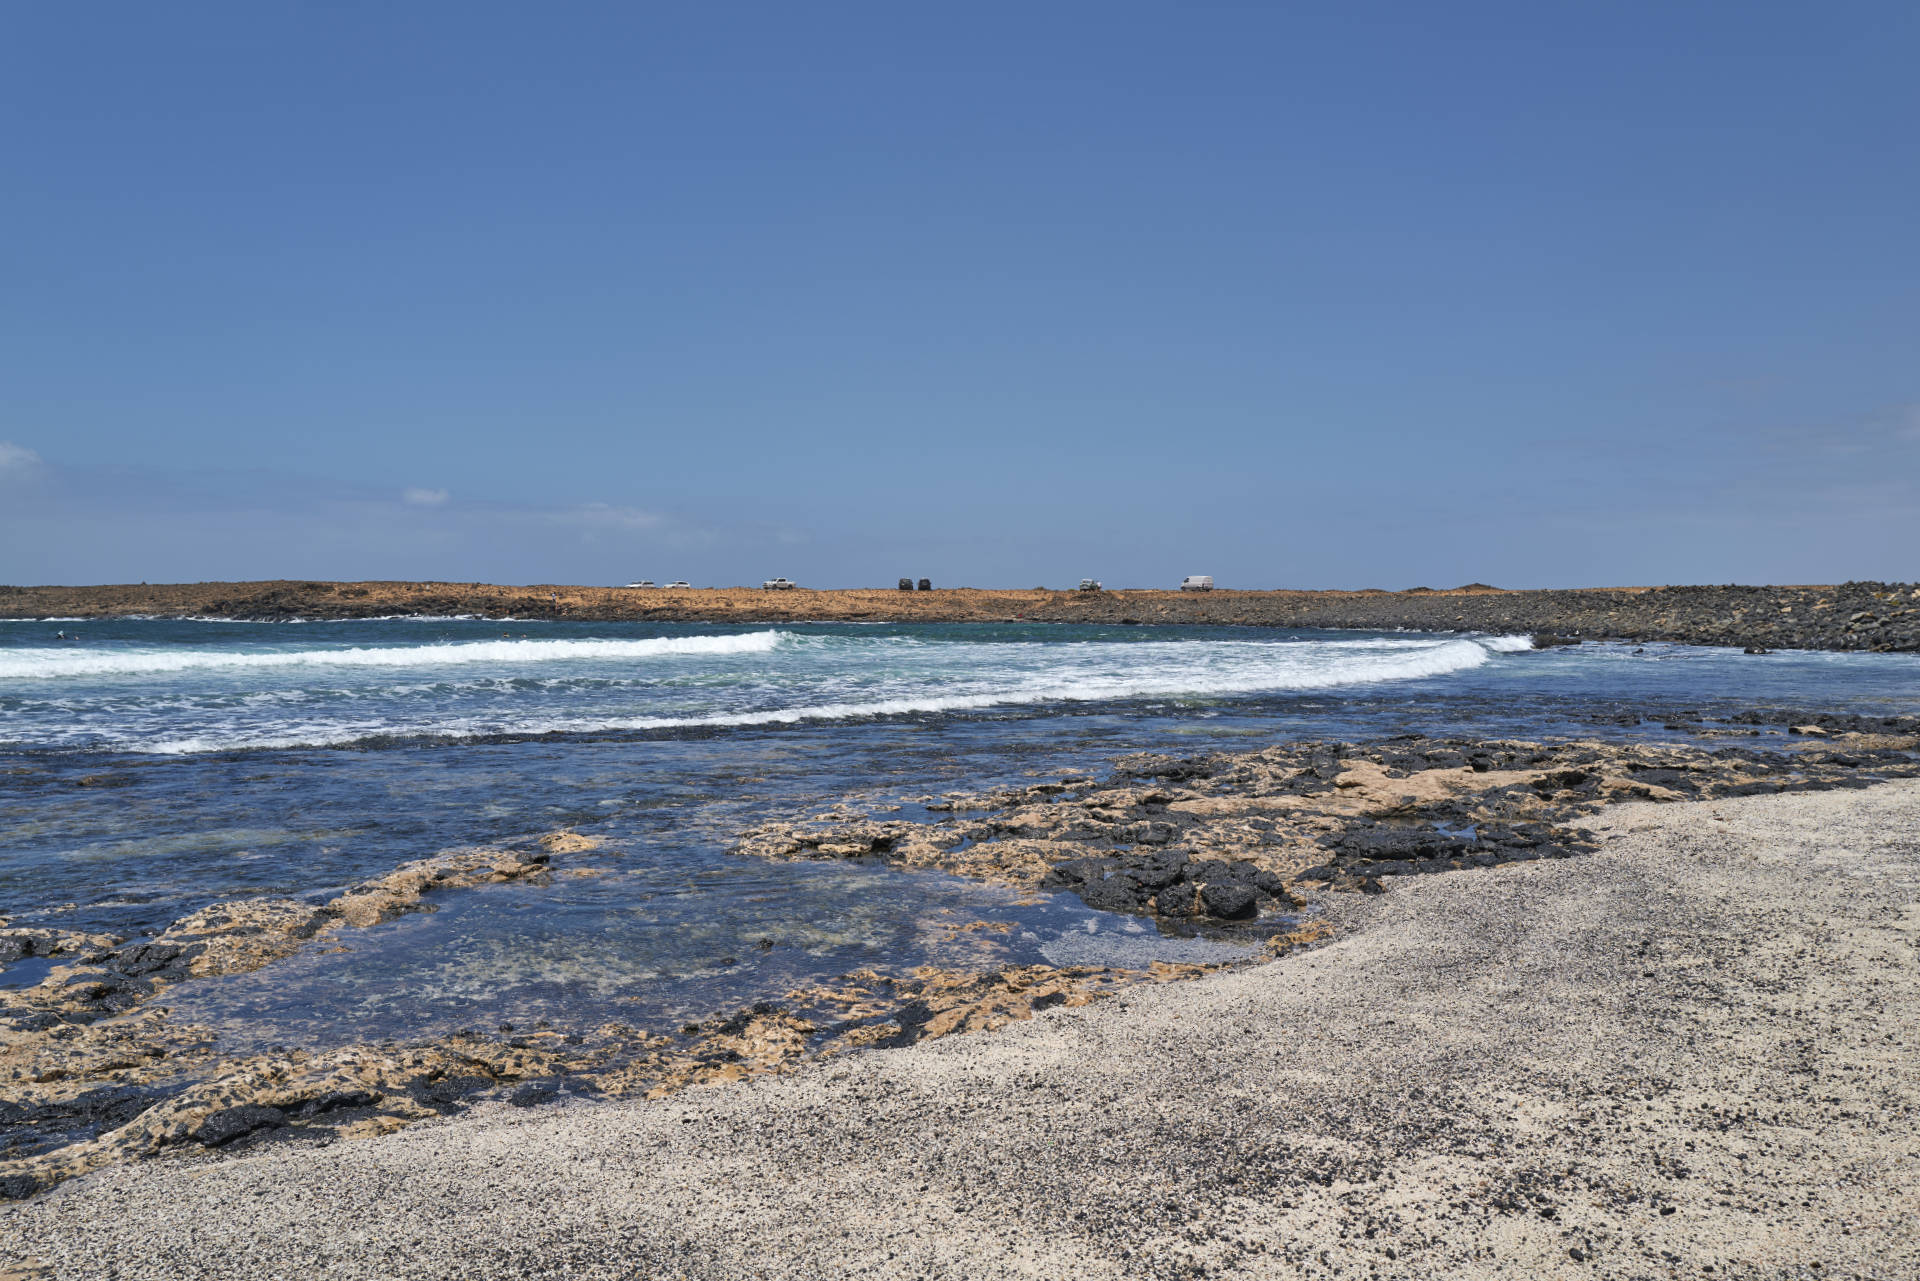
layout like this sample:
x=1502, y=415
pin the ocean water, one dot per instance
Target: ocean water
x=151, y=766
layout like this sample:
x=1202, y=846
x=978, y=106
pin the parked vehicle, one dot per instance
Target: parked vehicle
x=1089, y=584
x=906, y=584
x=678, y=584
x=645, y=582
x=926, y=584
x=1197, y=583
x=777, y=585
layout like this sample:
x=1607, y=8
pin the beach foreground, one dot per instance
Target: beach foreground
x=1692, y=1049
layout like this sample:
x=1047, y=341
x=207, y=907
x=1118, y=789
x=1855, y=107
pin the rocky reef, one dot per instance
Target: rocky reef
x=93, y=1069
x=1227, y=840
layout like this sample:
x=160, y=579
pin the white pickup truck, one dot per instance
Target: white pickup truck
x=777, y=585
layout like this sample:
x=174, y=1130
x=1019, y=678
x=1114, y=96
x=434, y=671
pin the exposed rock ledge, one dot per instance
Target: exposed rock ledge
x=1164, y=837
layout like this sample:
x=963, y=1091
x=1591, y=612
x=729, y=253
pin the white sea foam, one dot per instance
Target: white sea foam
x=1076, y=673
x=47, y=663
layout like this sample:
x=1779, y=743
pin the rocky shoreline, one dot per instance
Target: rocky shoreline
x=1879, y=617
x=1686, y=1054
x=1254, y=845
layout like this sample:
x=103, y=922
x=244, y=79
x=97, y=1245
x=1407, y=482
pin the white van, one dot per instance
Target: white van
x=1197, y=583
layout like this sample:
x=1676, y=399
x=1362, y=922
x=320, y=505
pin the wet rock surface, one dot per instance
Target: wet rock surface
x=110, y=977
x=1228, y=840
x=84, y=1096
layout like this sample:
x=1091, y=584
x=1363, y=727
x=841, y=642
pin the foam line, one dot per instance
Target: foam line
x=48, y=663
x=1289, y=668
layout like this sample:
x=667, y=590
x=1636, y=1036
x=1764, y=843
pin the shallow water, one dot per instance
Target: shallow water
x=152, y=766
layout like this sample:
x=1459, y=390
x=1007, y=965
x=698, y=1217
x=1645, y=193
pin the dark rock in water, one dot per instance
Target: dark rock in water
x=1175, y=900
x=1229, y=902
x=926, y=584
x=1153, y=765
x=906, y=584
x=533, y=1094
x=1158, y=871
x=1117, y=893
x=1547, y=640
x=145, y=958
x=1074, y=872
x=228, y=1124
x=1756, y=649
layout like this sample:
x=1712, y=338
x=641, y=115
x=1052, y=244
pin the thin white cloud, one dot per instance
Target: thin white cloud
x=608, y=516
x=425, y=497
x=16, y=457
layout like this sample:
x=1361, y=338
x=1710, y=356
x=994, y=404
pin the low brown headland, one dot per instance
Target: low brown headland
x=1851, y=616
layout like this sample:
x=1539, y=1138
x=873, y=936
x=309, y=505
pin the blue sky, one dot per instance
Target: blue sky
x=1316, y=295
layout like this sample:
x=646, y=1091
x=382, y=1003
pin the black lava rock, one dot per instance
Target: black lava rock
x=145, y=958
x=1229, y=902
x=533, y=1094
x=228, y=1124
x=446, y=1094
x=1175, y=900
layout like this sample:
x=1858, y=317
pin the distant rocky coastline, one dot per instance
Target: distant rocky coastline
x=1869, y=616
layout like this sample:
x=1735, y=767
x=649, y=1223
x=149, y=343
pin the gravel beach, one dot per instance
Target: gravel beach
x=1690, y=1054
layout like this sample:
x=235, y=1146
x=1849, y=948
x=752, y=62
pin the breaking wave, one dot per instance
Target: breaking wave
x=30, y=664
x=196, y=696
x=1083, y=673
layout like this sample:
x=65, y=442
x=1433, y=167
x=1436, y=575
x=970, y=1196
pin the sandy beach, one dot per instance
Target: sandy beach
x=1690, y=1053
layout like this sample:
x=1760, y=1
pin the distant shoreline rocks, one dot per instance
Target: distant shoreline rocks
x=1856, y=616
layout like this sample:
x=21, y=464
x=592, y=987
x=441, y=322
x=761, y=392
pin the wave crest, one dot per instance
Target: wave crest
x=48, y=663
